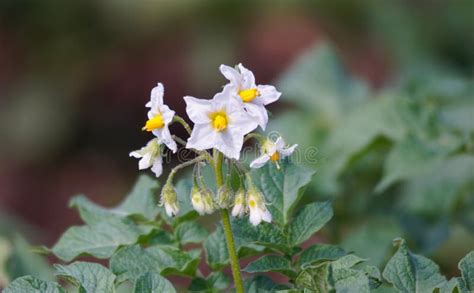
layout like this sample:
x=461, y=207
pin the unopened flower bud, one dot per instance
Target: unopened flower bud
x=239, y=203
x=169, y=199
x=200, y=201
x=224, y=196
x=208, y=200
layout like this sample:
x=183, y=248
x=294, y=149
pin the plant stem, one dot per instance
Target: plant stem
x=181, y=121
x=234, y=261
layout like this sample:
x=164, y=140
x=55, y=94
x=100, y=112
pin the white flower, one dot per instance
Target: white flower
x=253, y=97
x=219, y=123
x=239, y=204
x=258, y=211
x=273, y=151
x=159, y=118
x=150, y=156
x=169, y=199
x=202, y=201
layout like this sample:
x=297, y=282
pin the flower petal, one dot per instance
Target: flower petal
x=254, y=217
x=145, y=162
x=259, y=113
x=231, y=74
x=288, y=151
x=198, y=109
x=266, y=216
x=164, y=136
x=156, y=98
x=157, y=167
x=203, y=137
x=230, y=143
x=167, y=114
x=248, y=79
x=268, y=94
x=260, y=161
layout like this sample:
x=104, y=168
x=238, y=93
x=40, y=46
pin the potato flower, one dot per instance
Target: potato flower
x=252, y=97
x=219, y=123
x=159, y=118
x=273, y=151
x=150, y=156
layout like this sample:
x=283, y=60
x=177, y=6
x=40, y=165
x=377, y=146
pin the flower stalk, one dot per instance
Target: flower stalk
x=234, y=261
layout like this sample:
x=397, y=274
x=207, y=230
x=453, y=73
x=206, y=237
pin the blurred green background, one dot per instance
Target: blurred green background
x=382, y=90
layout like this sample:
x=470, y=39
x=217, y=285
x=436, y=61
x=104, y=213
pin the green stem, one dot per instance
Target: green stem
x=181, y=121
x=234, y=261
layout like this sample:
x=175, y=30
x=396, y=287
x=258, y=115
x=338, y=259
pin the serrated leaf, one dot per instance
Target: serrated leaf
x=409, y=272
x=190, y=232
x=215, y=282
x=152, y=283
x=89, y=277
x=140, y=202
x=310, y=219
x=99, y=240
x=30, y=284
x=319, y=253
x=466, y=266
x=282, y=187
x=271, y=263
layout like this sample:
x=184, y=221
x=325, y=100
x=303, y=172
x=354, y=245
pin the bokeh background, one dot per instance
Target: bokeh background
x=75, y=75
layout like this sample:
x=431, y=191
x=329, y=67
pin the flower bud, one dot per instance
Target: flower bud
x=169, y=199
x=256, y=204
x=197, y=200
x=239, y=203
x=224, y=197
x=208, y=200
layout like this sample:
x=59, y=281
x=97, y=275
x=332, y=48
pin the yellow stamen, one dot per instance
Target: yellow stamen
x=275, y=157
x=219, y=121
x=252, y=203
x=154, y=123
x=248, y=95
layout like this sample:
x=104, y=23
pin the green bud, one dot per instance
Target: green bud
x=224, y=197
x=169, y=199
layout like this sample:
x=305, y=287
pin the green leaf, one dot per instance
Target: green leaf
x=409, y=272
x=453, y=285
x=466, y=266
x=319, y=253
x=22, y=261
x=191, y=232
x=99, y=240
x=89, y=277
x=349, y=280
x=271, y=263
x=310, y=219
x=215, y=247
x=215, y=282
x=174, y=261
x=140, y=202
x=410, y=158
x=314, y=278
x=282, y=187
x=265, y=234
x=133, y=261
x=152, y=283
x=260, y=284
x=30, y=284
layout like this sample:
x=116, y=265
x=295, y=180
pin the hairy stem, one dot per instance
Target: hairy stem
x=181, y=121
x=234, y=261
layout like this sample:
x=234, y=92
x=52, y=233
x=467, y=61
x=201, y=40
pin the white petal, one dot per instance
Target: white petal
x=248, y=79
x=268, y=94
x=156, y=99
x=230, y=143
x=254, y=217
x=279, y=143
x=157, y=167
x=136, y=154
x=198, y=109
x=145, y=162
x=237, y=210
x=266, y=216
x=288, y=151
x=259, y=113
x=240, y=119
x=231, y=74
x=169, y=210
x=260, y=161
x=164, y=136
x=166, y=113
x=202, y=138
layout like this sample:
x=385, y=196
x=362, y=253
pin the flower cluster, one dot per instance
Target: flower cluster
x=221, y=124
